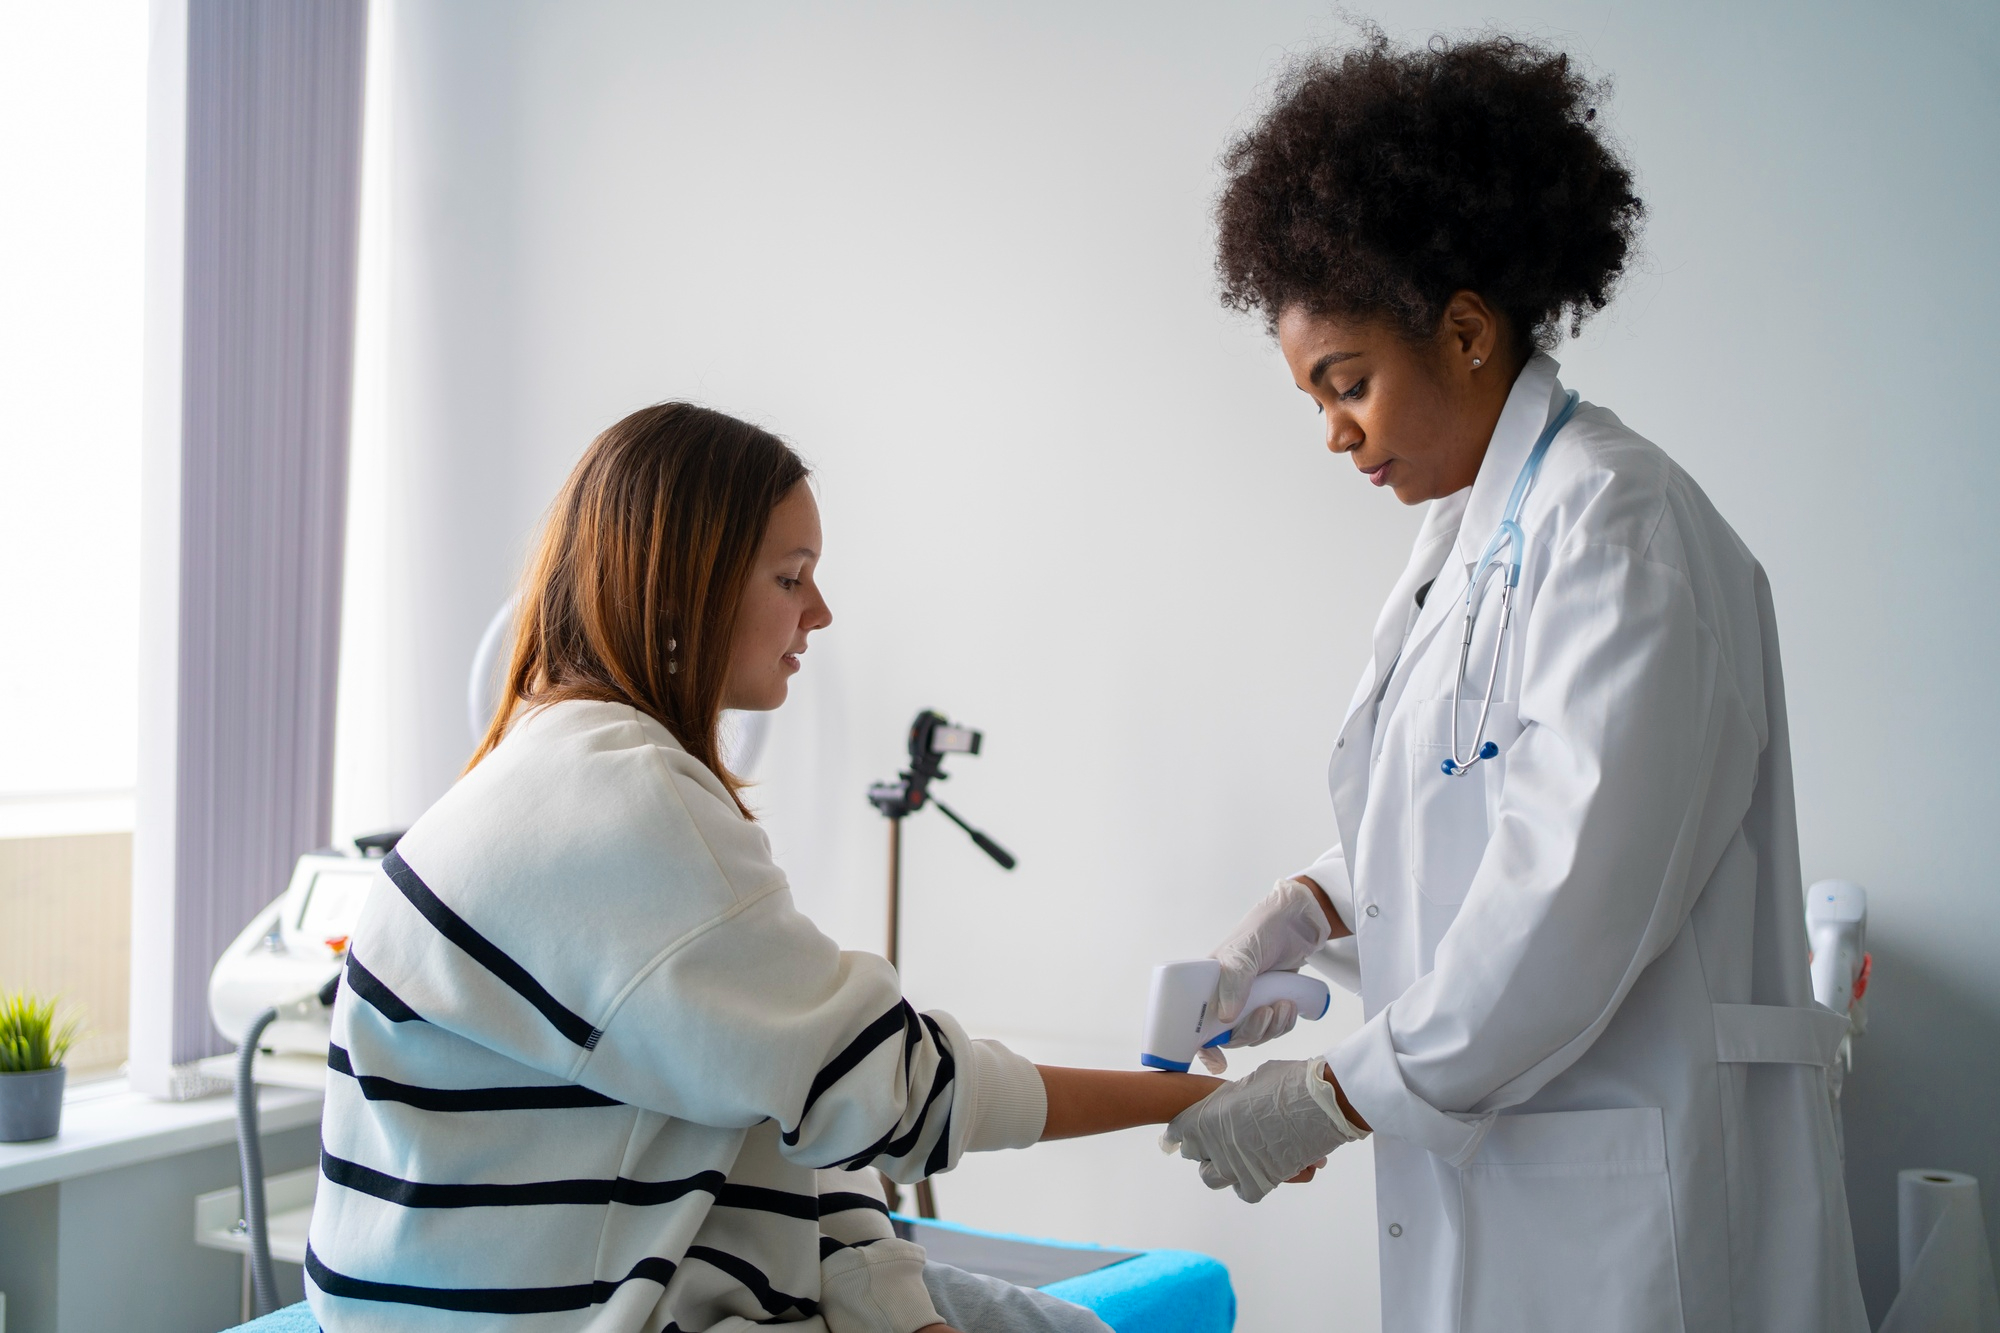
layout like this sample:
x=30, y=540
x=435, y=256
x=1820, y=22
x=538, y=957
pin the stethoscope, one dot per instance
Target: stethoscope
x=1508, y=534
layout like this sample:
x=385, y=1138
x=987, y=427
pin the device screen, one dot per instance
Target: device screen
x=333, y=904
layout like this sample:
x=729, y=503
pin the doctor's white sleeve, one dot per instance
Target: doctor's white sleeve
x=1635, y=766
x=1339, y=961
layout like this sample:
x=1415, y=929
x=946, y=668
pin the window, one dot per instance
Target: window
x=72, y=169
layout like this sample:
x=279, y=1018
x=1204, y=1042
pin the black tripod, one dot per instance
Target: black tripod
x=931, y=739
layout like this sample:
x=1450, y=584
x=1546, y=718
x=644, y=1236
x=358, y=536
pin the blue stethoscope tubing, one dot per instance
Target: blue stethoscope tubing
x=1509, y=535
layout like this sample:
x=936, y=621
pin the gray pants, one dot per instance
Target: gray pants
x=975, y=1303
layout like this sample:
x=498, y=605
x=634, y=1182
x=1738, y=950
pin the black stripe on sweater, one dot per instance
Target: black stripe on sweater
x=805, y=1207
x=828, y=1246
x=530, y=1193
x=893, y=1145
x=370, y=988
x=375, y=1088
x=756, y=1198
x=754, y=1281
x=842, y=1202
x=487, y=954
x=940, y=1158
x=902, y=1018
x=485, y=1300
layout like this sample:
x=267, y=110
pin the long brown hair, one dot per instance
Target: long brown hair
x=632, y=592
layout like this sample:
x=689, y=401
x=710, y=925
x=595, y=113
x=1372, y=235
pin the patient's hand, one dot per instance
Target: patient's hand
x=937, y=1328
x=1306, y=1175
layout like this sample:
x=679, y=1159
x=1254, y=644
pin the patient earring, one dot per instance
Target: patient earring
x=673, y=664
x=1477, y=363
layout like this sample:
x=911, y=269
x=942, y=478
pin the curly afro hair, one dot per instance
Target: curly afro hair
x=1381, y=181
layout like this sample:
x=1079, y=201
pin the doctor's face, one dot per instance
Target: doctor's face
x=1413, y=416
x=781, y=605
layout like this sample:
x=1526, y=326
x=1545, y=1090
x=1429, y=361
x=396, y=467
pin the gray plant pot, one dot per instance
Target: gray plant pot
x=31, y=1104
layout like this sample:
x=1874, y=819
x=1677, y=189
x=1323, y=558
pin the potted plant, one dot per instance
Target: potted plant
x=32, y=1048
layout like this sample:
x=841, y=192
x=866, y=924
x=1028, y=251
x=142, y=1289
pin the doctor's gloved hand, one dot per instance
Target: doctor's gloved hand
x=1277, y=935
x=1257, y=1132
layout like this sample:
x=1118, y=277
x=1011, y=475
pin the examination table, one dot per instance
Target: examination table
x=1146, y=1291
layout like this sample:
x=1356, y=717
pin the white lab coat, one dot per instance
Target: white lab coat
x=1591, y=1057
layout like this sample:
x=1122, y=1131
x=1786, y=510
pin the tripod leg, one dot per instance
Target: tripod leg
x=926, y=1201
x=895, y=893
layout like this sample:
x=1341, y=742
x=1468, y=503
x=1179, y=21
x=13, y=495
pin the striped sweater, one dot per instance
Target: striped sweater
x=592, y=1070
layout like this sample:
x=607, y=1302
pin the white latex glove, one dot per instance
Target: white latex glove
x=1278, y=934
x=1259, y=1131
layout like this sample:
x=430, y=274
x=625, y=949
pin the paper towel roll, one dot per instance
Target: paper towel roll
x=1947, y=1268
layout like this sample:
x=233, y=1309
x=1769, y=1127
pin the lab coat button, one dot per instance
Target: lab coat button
x=1395, y=1228
x=1373, y=910
x=1340, y=744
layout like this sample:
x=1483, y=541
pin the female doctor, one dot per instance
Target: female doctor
x=1567, y=884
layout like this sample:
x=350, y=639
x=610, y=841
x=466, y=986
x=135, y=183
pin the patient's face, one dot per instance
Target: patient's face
x=781, y=605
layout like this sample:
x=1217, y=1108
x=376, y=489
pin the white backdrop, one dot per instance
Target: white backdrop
x=960, y=256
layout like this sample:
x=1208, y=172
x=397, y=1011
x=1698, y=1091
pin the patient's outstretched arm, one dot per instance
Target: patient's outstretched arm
x=1097, y=1101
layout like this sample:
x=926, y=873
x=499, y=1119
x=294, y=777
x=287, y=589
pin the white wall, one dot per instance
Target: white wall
x=960, y=256
x=72, y=250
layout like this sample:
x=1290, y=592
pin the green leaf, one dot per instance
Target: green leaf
x=30, y=1037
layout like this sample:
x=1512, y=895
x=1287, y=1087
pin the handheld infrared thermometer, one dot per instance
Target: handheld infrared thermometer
x=1180, y=1012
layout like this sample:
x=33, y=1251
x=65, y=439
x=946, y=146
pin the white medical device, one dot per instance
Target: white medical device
x=1180, y=1011
x=291, y=949
x=1508, y=534
x=272, y=994
x=1837, y=929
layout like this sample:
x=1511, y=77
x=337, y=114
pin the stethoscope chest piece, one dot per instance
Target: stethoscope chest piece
x=1507, y=538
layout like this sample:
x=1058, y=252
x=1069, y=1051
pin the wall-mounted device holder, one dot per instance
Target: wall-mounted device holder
x=932, y=737
x=1837, y=931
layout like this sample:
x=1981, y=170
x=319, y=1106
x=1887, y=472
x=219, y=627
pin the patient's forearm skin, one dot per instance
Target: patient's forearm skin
x=1097, y=1101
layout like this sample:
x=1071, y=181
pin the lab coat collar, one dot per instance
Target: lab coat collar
x=1535, y=398
x=1347, y=775
x=1427, y=557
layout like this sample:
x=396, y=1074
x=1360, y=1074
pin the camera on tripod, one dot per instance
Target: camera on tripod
x=931, y=739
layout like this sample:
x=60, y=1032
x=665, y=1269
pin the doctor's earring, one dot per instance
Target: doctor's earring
x=1477, y=363
x=673, y=663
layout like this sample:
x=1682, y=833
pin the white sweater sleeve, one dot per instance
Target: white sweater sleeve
x=871, y=1280
x=761, y=1016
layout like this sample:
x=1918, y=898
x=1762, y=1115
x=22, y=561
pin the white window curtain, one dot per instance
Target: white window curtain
x=253, y=217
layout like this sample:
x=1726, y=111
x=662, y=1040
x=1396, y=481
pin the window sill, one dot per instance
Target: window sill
x=107, y=1125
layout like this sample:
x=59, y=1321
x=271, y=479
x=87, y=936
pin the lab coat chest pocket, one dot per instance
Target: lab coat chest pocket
x=1569, y=1226
x=1451, y=817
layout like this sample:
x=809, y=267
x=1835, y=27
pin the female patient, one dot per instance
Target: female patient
x=592, y=1070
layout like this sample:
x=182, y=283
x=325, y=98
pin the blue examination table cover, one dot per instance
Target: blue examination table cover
x=1159, y=1291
